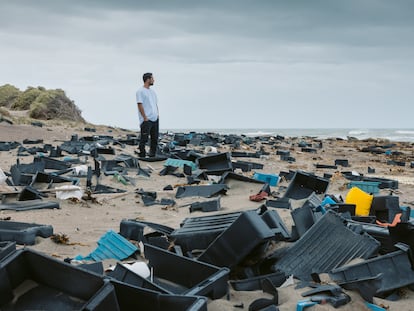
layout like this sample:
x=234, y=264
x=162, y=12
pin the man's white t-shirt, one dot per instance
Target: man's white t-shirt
x=149, y=101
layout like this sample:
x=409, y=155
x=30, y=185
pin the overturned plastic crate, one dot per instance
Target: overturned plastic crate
x=137, y=230
x=395, y=267
x=206, y=191
x=247, y=166
x=328, y=244
x=7, y=248
x=23, y=233
x=199, y=232
x=185, y=276
x=367, y=186
x=383, y=182
x=386, y=207
x=215, y=164
x=180, y=163
x=270, y=179
x=304, y=184
x=130, y=298
x=246, y=233
x=256, y=282
x=32, y=281
x=111, y=245
x=206, y=206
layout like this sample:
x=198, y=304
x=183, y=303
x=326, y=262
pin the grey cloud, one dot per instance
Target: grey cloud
x=324, y=53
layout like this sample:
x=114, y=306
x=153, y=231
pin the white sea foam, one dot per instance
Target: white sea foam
x=323, y=133
x=259, y=133
x=404, y=132
x=358, y=132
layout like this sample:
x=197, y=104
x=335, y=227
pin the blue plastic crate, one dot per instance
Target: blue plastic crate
x=271, y=179
x=367, y=186
x=179, y=163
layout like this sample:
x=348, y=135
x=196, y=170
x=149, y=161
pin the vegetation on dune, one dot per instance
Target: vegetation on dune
x=26, y=98
x=41, y=103
x=8, y=95
x=4, y=113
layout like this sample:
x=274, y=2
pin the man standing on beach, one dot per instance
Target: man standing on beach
x=148, y=116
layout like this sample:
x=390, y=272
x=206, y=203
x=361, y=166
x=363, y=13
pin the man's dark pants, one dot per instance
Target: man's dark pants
x=149, y=129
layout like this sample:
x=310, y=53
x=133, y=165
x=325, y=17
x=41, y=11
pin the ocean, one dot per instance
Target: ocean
x=406, y=135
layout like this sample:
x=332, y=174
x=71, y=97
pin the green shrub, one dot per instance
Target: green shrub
x=4, y=113
x=42, y=103
x=8, y=95
x=26, y=98
x=38, y=110
x=54, y=104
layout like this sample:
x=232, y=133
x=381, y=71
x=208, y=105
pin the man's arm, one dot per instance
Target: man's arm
x=142, y=112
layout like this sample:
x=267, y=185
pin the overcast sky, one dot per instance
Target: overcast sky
x=219, y=63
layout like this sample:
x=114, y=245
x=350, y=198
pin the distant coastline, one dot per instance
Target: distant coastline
x=395, y=134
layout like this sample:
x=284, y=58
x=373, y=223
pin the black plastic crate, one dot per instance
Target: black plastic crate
x=385, y=207
x=185, y=276
x=244, y=166
x=7, y=248
x=328, y=244
x=254, y=165
x=215, y=164
x=130, y=298
x=395, y=268
x=234, y=244
x=33, y=281
x=304, y=184
x=23, y=233
x=199, y=232
x=342, y=162
x=125, y=275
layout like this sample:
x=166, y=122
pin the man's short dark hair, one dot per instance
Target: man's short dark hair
x=146, y=76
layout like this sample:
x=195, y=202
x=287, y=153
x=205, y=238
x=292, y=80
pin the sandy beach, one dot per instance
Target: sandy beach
x=84, y=222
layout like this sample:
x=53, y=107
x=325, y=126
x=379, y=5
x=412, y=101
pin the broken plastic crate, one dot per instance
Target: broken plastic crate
x=303, y=218
x=206, y=206
x=255, y=283
x=51, y=163
x=303, y=184
x=404, y=233
x=206, y=191
x=367, y=186
x=125, y=275
x=29, y=205
x=185, y=276
x=381, y=234
x=199, y=232
x=342, y=162
x=6, y=248
x=244, y=166
x=328, y=244
x=130, y=298
x=111, y=245
x=245, y=154
x=246, y=233
x=23, y=233
x=270, y=179
x=279, y=203
x=134, y=230
x=247, y=166
x=215, y=164
x=395, y=268
x=276, y=224
x=179, y=163
x=385, y=207
x=32, y=281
